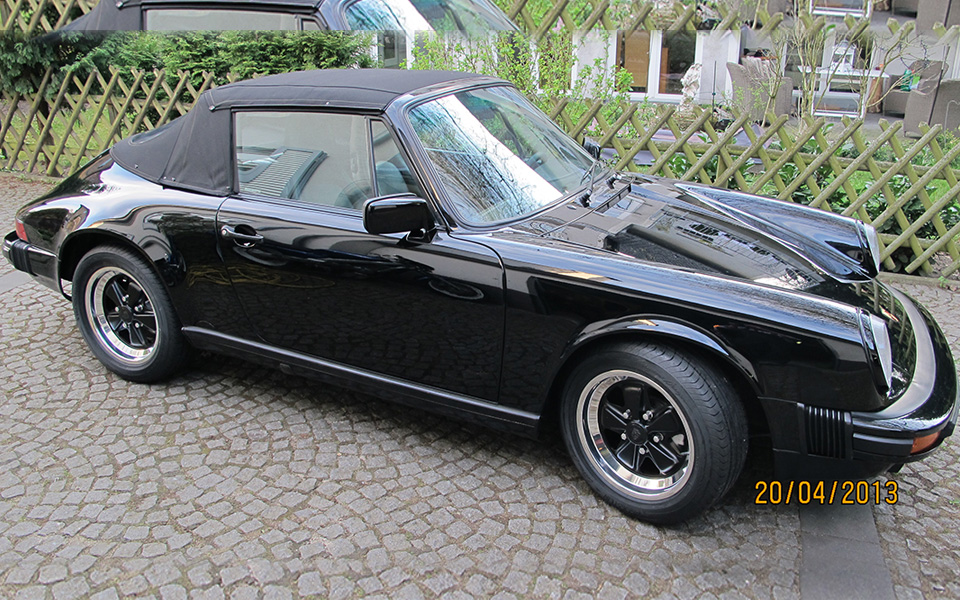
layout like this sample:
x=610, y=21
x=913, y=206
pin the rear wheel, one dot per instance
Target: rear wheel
x=125, y=315
x=656, y=433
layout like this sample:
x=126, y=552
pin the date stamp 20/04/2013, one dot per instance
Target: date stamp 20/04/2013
x=824, y=493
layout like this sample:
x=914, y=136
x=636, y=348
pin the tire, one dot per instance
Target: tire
x=125, y=315
x=656, y=433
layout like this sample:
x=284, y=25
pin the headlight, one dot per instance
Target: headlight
x=873, y=244
x=876, y=342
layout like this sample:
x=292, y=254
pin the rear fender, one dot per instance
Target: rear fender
x=156, y=250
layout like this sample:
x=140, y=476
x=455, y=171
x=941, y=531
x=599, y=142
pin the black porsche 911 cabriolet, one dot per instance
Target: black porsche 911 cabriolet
x=434, y=238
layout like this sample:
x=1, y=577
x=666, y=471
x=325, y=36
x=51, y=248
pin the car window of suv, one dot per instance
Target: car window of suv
x=189, y=19
x=393, y=175
x=473, y=16
x=321, y=158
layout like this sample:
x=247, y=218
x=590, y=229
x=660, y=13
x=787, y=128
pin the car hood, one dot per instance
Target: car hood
x=677, y=225
x=776, y=248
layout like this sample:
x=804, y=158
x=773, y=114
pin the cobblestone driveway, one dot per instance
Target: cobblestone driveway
x=239, y=482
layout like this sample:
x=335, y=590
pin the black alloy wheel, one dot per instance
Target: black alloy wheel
x=122, y=314
x=125, y=315
x=656, y=433
x=635, y=428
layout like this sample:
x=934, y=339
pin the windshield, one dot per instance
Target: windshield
x=497, y=155
x=474, y=16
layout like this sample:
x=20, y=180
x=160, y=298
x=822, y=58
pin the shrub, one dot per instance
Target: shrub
x=240, y=53
x=23, y=61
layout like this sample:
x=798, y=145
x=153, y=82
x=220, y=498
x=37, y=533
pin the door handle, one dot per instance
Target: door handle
x=243, y=239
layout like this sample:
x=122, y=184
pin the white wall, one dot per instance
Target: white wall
x=953, y=60
x=719, y=48
x=592, y=46
x=925, y=48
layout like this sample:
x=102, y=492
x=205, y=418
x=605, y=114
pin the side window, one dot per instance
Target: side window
x=377, y=15
x=188, y=19
x=391, y=170
x=313, y=157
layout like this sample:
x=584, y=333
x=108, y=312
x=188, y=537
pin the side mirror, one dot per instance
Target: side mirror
x=396, y=214
x=592, y=147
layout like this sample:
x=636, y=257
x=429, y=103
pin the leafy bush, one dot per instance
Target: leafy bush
x=540, y=70
x=23, y=61
x=679, y=164
x=946, y=139
x=240, y=53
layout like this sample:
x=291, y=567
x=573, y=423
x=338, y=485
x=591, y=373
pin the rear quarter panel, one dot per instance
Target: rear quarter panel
x=174, y=231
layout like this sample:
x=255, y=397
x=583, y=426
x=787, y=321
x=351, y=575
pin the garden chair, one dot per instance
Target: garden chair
x=755, y=83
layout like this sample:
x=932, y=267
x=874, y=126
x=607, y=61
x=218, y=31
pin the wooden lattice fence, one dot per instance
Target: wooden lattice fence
x=54, y=133
x=39, y=16
x=539, y=17
x=909, y=191
x=536, y=17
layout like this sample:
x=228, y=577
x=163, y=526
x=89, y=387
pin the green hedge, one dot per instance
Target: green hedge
x=240, y=53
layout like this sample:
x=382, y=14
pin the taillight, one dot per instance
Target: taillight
x=21, y=232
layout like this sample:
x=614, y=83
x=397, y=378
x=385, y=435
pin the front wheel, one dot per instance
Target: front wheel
x=656, y=433
x=125, y=315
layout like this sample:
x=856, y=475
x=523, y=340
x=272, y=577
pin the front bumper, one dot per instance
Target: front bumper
x=812, y=443
x=31, y=259
x=927, y=407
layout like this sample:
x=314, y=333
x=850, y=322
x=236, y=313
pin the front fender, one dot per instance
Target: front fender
x=664, y=328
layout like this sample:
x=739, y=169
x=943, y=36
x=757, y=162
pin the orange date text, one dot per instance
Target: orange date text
x=831, y=492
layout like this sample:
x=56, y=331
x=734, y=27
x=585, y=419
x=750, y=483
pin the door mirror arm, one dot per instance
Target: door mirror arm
x=420, y=236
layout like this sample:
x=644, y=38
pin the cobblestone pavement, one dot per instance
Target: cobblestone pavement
x=920, y=535
x=13, y=193
x=233, y=481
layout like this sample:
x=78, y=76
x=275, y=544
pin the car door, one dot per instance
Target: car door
x=313, y=281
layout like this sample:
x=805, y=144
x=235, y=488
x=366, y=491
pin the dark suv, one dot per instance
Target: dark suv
x=472, y=16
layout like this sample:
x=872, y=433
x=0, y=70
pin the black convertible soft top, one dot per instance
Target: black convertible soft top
x=124, y=15
x=194, y=152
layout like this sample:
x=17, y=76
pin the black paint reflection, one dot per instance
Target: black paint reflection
x=430, y=313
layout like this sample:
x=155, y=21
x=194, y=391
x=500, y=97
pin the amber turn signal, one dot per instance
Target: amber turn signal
x=924, y=443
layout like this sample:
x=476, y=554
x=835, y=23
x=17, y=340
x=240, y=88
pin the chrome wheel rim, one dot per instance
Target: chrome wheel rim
x=636, y=434
x=121, y=315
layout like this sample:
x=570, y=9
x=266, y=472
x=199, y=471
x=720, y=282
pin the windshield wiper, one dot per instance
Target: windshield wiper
x=590, y=174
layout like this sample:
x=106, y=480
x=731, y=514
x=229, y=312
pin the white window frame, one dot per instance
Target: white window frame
x=653, y=71
x=865, y=11
x=955, y=73
x=408, y=47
